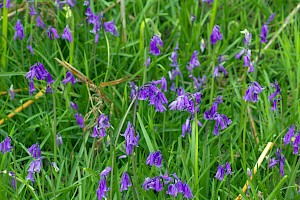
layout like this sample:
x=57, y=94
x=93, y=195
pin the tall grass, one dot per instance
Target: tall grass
x=195, y=157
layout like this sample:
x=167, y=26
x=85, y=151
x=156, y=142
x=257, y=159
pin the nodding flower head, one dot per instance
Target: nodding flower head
x=155, y=43
x=5, y=145
x=125, y=182
x=264, y=34
x=111, y=28
x=154, y=158
x=216, y=35
x=19, y=31
x=67, y=35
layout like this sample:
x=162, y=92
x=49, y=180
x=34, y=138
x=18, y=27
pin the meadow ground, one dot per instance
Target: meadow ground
x=150, y=99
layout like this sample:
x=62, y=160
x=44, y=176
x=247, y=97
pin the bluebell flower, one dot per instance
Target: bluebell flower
x=79, y=120
x=31, y=88
x=40, y=23
x=208, y=1
x=240, y=53
x=153, y=183
x=67, y=35
x=220, y=68
x=186, y=191
x=13, y=179
x=194, y=62
x=247, y=38
x=154, y=158
x=151, y=91
x=29, y=47
x=221, y=123
x=271, y=18
x=105, y=172
x=131, y=140
x=19, y=30
x=172, y=190
x=35, y=150
x=272, y=96
x=69, y=78
x=52, y=33
x=102, y=189
x=252, y=92
x=147, y=63
x=216, y=35
x=8, y=4
x=134, y=89
x=125, y=182
x=32, y=11
x=247, y=61
x=154, y=43
x=288, y=136
x=186, y=127
x=174, y=73
x=74, y=106
x=222, y=171
x=279, y=159
x=209, y=114
x=174, y=59
x=5, y=145
x=34, y=167
x=296, y=144
x=264, y=33
x=199, y=82
x=101, y=126
x=111, y=28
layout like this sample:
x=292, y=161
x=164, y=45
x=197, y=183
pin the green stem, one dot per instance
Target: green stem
x=4, y=34
x=196, y=169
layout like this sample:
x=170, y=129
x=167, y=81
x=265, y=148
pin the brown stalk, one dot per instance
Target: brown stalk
x=25, y=105
x=257, y=165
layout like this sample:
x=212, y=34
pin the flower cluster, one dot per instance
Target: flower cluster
x=252, y=92
x=102, y=188
x=292, y=138
x=221, y=121
x=130, y=140
x=101, y=126
x=36, y=164
x=187, y=102
x=279, y=159
x=96, y=21
x=5, y=145
x=246, y=51
x=150, y=91
x=222, y=171
x=39, y=72
x=175, y=185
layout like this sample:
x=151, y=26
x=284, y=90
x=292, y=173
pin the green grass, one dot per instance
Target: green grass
x=195, y=157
